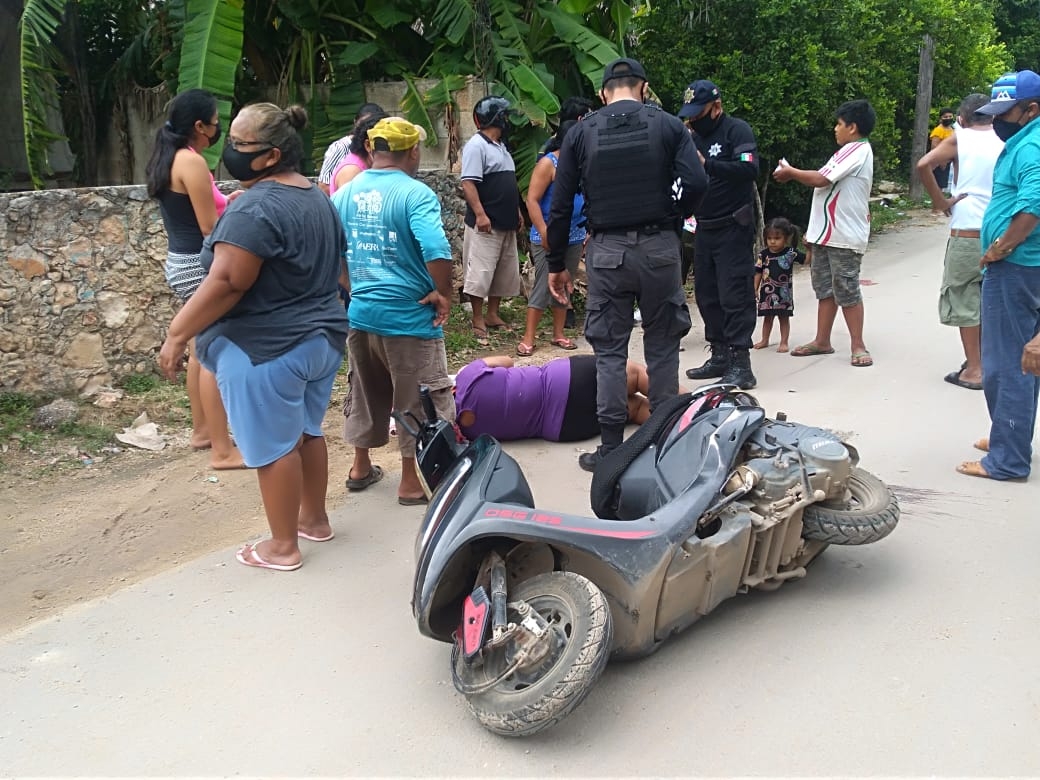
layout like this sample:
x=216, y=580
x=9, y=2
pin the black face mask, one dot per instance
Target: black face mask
x=705, y=125
x=947, y=122
x=1005, y=129
x=239, y=164
x=216, y=136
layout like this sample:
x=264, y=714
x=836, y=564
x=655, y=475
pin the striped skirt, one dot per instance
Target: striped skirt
x=184, y=273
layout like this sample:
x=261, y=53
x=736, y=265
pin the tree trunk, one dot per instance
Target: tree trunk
x=922, y=111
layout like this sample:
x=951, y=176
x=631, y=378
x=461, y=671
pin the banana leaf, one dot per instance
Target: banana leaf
x=39, y=87
x=593, y=51
x=211, y=51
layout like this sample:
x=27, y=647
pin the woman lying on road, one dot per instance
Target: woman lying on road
x=555, y=401
x=271, y=327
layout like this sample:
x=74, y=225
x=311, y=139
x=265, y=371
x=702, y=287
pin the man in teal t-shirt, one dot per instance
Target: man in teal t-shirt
x=399, y=266
x=1011, y=283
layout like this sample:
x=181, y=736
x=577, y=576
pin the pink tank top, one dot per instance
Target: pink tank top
x=350, y=159
x=219, y=198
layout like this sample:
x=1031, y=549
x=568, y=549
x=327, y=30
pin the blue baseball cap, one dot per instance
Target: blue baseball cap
x=699, y=94
x=1009, y=89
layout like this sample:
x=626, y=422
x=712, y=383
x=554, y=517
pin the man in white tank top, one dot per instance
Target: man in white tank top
x=973, y=150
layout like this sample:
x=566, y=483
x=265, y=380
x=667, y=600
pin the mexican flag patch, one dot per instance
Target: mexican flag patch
x=747, y=157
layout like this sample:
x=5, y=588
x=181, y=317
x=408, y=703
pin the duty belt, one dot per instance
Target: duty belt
x=715, y=224
x=651, y=227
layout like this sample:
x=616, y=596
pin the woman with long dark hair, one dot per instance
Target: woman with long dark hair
x=267, y=320
x=190, y=203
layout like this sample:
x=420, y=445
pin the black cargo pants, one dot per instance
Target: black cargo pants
x=626, y=268
x=724, y=283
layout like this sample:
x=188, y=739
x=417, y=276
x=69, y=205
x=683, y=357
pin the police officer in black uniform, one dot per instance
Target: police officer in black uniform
x=724, y=249
x=639, y=173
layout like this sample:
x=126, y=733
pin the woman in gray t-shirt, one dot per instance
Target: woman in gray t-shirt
x=270, y=325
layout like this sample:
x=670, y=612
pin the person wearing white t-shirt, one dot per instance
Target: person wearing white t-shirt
x=839, y=226
x=973, y=149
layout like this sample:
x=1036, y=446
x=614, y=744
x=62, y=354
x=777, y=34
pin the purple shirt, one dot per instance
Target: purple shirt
x=523, y=402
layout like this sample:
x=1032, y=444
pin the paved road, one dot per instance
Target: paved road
x=918, y=655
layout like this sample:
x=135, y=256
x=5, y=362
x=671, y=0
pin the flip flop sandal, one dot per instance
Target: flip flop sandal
x=481, y=336
x=502, y=326
x=861, y=360
x=809, y=350
x=403, y=501
x=372, y=477
x=954, y=378
x=309, y=538
x=564, y=343
x=255, y=560
x=524, y=350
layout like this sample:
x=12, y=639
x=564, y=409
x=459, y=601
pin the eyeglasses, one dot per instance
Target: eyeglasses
x=235, y=144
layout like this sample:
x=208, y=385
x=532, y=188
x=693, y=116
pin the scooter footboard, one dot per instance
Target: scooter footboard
x=705, y=572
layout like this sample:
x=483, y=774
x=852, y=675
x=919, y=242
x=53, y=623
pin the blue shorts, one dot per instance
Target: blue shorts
x=271, y=405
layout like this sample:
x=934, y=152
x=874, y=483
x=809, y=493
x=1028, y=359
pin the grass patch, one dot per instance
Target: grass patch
x=90, y=437
x=140, y=384
x=889, y=211
x=16, y=411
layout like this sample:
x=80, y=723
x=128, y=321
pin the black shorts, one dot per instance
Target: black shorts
x=579, y=416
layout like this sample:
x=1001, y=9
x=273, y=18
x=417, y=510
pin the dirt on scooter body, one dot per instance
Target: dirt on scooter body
x=708, y=499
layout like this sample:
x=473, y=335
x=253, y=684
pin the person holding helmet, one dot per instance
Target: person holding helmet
x=638, y=170
x=489, y=253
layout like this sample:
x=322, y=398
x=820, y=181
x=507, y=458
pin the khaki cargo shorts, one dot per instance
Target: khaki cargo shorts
x=492, y=264
x=960, y=297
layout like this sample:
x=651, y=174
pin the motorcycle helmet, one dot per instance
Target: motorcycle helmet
x=491, y=111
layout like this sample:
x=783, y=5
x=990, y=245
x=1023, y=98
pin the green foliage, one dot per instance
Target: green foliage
x=210, y=51
x=139, y=384
x=38, y=62
x=1018, y=22
x=786, y=65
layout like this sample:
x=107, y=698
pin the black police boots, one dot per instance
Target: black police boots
x=739, y=371
x=715, y=366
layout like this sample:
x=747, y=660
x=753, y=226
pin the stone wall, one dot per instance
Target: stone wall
x=83, y=299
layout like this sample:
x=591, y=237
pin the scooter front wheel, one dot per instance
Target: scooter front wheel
x=526, y=701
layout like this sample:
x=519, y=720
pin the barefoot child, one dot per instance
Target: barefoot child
x=774, y=275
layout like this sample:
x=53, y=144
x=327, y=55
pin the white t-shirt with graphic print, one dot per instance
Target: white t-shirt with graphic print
x=840, y=215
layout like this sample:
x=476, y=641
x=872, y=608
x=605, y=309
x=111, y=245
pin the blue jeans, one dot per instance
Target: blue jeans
x=1010, y=318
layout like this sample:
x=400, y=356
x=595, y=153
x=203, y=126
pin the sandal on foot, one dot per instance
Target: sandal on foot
x=954, y=378
x=973, y=468
x=372, y=477
x=406, y=501
x=524, y=350
x=809, y=350
x=502, y=326
x=564, y=343
x=312, y=538
x=248, y=556
x=861, y=359
x=481, y=336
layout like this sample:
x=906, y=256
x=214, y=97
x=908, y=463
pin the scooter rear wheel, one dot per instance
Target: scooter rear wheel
x=528, y=701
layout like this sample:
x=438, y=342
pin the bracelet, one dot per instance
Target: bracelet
x=1002, y=250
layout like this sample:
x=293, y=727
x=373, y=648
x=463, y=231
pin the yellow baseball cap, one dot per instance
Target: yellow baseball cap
x=398, y=133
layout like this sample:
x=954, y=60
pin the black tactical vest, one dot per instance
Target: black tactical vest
x=627, y=176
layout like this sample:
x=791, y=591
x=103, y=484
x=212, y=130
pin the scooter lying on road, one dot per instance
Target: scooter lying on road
x=708, y=499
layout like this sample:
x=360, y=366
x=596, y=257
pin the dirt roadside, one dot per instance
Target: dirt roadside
x=78, y=535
